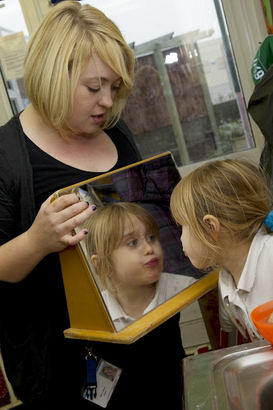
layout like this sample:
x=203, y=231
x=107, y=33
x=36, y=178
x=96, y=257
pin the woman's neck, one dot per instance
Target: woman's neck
x=135, y=301
x=235, y=258
x=95, y=154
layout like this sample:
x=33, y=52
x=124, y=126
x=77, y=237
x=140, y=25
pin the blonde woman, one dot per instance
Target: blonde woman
x=123, y=245
x=78, y=74
x=225, y=210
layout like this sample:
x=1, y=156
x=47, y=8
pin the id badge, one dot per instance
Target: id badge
x=107, y=376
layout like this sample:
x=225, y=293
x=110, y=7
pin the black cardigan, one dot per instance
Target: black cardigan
x=40, y=363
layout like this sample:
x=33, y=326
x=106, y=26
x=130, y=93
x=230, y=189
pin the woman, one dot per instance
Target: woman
x=78, y=73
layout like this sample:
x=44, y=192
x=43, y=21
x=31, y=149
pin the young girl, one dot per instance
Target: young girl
x=123, y=246
x=225, y=210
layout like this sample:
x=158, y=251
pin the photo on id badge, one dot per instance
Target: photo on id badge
x=107, y=376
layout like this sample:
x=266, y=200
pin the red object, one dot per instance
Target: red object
x=203, y=349
x=260, y=317
x=4, y=394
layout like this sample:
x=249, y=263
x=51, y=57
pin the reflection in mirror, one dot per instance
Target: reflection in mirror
x=133, y=245
x=124, y=247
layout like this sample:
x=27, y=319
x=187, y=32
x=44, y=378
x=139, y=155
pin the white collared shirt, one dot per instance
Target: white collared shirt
x=168, y=285
x=255, y=287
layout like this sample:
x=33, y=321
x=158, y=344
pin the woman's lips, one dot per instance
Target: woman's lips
x=98, y=119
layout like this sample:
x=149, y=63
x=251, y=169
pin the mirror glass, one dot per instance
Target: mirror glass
x=135, y=254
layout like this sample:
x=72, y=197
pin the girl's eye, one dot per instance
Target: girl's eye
x=152, y=238
x=132, y=243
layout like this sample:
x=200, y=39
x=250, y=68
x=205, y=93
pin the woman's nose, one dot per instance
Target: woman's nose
x=106, y=99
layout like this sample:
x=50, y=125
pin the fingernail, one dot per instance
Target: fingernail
x=93, y=207
x=85, y=232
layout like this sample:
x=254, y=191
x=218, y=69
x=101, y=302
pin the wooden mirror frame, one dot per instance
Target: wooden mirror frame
x=89, y=317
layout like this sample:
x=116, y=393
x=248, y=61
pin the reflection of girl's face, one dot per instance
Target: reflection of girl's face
x=138, y=260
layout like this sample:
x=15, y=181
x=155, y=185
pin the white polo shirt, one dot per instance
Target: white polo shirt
x=168, y=285
x=254, y=287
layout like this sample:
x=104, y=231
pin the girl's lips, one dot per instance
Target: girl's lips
x=152, y=262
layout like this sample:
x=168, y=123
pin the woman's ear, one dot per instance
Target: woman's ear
x=213, y=223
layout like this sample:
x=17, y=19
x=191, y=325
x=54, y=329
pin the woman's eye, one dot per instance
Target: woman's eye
x=116, y=87
x=93, y=90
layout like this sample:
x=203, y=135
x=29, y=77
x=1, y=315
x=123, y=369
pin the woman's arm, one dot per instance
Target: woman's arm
x=51, y=231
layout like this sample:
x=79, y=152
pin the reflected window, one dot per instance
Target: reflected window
x=187, y=96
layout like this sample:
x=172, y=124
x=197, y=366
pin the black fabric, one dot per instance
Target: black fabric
x=260, y=107
x=151, y=376
x=45, y=369
x=45, y=166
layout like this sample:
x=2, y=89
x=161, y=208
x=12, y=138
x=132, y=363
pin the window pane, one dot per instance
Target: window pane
x=187, y=96
x=13, y=40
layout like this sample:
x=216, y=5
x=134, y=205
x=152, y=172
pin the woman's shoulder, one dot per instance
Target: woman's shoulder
x=13, y=152
x=124, y=140
x=12, y=129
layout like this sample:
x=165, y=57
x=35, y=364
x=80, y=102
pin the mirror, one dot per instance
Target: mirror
x=145, y=265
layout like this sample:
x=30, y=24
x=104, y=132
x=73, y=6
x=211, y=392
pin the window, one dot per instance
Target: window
x=187, y=96
x=13, y=40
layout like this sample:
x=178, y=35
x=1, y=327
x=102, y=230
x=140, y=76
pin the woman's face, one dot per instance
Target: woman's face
x=94, y=95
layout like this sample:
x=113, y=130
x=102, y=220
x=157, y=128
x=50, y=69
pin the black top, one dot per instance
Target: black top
x=50, y=174
x=44, y=367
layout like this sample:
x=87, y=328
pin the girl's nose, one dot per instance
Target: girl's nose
x=148, y=247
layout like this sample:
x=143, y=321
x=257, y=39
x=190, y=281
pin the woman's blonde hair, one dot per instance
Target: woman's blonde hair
x=233, y=191
x=105, y=233
x=58, y=52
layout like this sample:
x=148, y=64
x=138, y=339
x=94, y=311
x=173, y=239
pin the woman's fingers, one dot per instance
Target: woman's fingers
x=56, y=222
x=72, y=240
x=75, y=216
x=67, y=208
x=61, y=203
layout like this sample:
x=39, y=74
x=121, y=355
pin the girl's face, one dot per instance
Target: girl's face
x=94, y=95
x=138, y=260
x=197, y=252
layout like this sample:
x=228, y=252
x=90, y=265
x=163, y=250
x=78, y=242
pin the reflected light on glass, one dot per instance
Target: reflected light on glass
x=171, y=58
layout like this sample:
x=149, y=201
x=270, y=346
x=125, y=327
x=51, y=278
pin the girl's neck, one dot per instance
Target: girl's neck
x=135, y=301
x=235, y=258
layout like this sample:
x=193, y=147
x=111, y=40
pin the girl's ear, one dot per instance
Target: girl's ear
x=94, y=260
x=213, y=223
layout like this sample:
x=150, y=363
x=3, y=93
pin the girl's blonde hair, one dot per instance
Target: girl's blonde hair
x=233, y=191
x=58, y=52
x=105, y=233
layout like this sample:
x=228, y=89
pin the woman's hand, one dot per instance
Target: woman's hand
x=54, y=226
x=51, y=231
